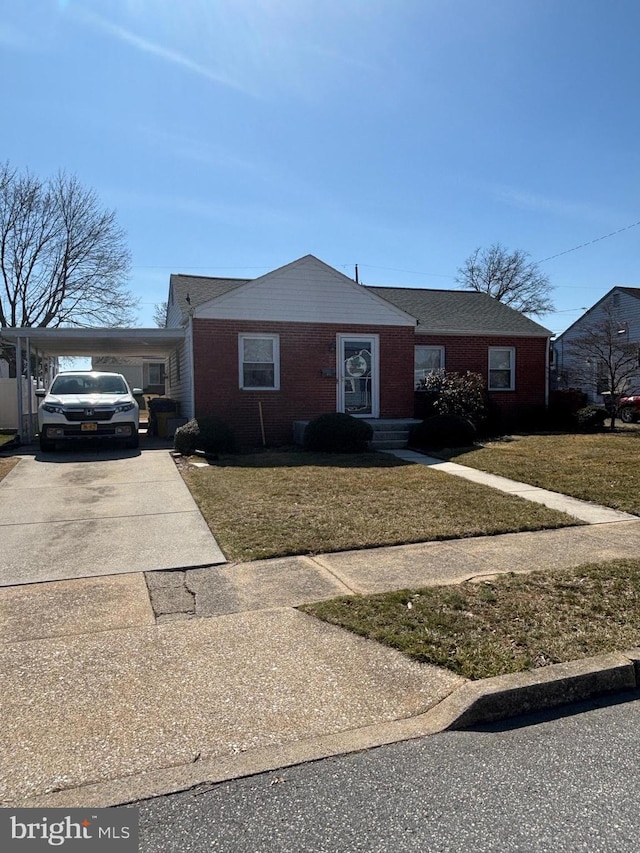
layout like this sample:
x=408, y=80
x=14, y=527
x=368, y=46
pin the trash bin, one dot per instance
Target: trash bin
x=161, y=409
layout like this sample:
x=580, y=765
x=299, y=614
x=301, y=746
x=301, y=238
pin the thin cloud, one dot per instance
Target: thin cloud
x=163, y=53
x=537, y=202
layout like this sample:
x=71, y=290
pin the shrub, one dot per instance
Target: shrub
x=461, y=394
x=211, y=435
x=443, y=431
x=563, y=405
x=590, y=419
x=337, y=433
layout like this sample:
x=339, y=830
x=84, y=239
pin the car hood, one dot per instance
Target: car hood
x=87, y=400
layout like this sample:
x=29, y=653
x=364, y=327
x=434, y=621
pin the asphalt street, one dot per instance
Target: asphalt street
x=570, y=783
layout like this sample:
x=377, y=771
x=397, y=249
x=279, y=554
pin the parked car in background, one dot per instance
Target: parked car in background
x=629, y=409
x=88, y=405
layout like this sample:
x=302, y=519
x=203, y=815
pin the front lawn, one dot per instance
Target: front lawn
x=509, y=624
x=282, y=503
x=604, y=468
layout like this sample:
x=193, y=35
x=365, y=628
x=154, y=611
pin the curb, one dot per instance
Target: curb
x=472, y=704
x=505, y=696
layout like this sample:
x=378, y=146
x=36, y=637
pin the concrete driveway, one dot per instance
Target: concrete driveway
x=70, y=515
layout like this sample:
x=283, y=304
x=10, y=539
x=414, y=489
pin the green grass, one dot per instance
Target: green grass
x=604, y=468
x=509, y=624
x=6, y=438
x=283, y=503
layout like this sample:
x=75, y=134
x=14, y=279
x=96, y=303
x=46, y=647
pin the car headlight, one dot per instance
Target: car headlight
x=125, y=407
x=53, y=410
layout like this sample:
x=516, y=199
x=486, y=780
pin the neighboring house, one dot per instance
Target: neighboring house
x=305, y=339
x=619, y=312
x=145, y=373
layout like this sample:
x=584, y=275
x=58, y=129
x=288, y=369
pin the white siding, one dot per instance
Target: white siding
x=627, y=311
x=174, y=317
x=179, y=376
x=306, y=291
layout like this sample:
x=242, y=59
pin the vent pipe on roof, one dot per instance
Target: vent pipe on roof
x=357, y=282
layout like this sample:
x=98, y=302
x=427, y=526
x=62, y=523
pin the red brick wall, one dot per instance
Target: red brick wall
x=305, y=350
x=471, y=353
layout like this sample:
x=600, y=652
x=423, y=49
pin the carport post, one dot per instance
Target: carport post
x=19, y=384
x=29, y=392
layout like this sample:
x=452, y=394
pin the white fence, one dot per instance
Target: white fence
x=9, y=403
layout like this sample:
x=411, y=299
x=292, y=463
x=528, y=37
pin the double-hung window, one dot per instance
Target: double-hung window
x=259, y=362
x=502, y=364
x=427, y=359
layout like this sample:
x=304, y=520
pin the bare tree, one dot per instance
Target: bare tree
x=160, y=314
x=63, y=259
x=509, y=277
x=603, y=359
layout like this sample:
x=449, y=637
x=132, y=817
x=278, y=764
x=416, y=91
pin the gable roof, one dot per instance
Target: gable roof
x=305, y=290
x=631, y=291
x=200, y=289
x=437, y=311
x=460, y=312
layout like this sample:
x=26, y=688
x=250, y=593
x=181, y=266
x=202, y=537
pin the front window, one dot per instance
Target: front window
x=502, y=368
x=259, y=362
x=426, y=360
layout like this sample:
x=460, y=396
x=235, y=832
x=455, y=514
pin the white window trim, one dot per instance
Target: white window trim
x=512, y=385
x=242, y=337
x=427, y=346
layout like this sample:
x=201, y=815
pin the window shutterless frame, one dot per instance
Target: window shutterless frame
x=258, y=362
x=502, y=369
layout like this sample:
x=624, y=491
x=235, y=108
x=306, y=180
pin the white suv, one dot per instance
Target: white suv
x=81, y=405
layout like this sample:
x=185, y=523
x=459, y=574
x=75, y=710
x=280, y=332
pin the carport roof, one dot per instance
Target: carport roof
x=147, y=343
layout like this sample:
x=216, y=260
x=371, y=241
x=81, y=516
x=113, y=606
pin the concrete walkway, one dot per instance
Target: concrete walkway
x=68, y=515
x=584, y=510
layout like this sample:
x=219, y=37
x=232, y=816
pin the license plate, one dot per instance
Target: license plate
x=88, y=427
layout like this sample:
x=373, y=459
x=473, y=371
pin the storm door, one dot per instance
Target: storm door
x=358, y=375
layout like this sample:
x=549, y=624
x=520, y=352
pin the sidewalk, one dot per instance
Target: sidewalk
x=111, y=695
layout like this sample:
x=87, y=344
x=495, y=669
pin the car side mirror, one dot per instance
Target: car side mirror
x=137, y=392
x=41, y=392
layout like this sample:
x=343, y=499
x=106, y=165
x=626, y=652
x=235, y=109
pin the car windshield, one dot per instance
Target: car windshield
x=89, y=385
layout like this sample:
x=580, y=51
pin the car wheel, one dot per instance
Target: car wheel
x=47, y=446
x=628, y=414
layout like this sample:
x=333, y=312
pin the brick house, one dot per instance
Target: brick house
x=305, y=339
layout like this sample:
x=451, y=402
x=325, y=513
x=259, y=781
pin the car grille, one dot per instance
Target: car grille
x=88, y=414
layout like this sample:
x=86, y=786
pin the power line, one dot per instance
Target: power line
x=589, y=242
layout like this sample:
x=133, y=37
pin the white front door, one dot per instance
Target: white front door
x=358, y=375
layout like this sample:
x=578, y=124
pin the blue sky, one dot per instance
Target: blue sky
x=233, y=136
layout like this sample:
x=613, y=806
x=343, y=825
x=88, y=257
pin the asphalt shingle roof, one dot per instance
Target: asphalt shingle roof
x=460, y=311
x=200, y=288
x=452, y=311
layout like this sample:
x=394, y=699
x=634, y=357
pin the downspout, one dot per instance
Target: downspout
x=192, y=369
x=547, y=372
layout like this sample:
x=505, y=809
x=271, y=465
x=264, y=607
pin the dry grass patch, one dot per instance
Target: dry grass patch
x=510, y=624
x=276, y=504
x=604, y=468
x=6, y=465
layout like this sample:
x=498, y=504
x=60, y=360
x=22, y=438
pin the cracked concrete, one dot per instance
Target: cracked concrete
x=292, y=581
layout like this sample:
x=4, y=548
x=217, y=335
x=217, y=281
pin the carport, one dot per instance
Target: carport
x=49, y=344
